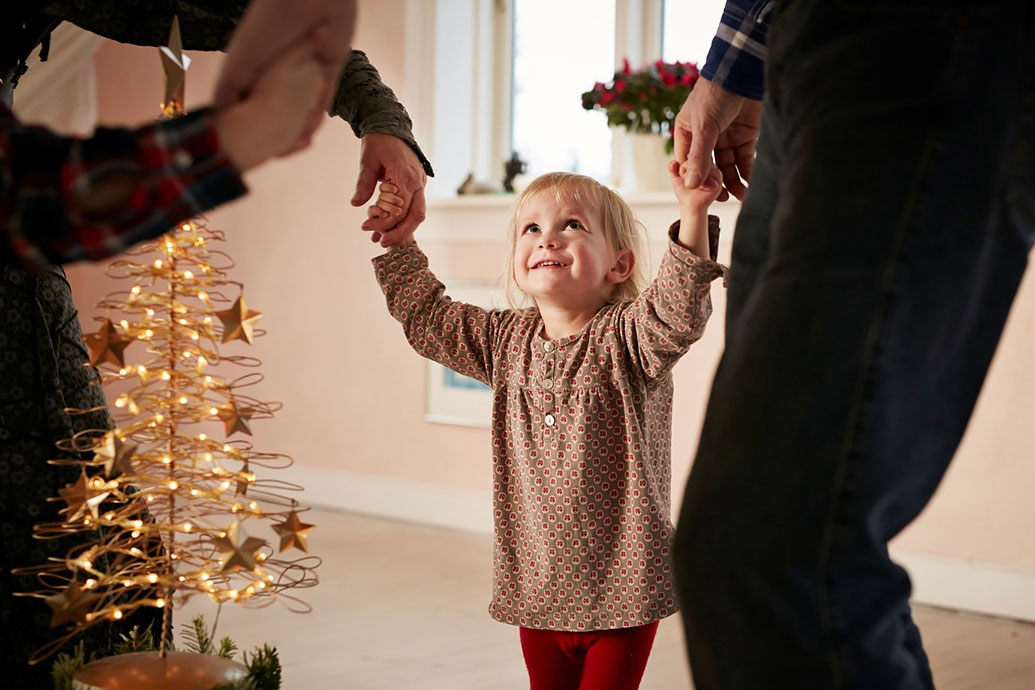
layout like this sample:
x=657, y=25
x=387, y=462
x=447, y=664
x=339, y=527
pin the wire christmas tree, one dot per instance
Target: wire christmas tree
x=171, y=495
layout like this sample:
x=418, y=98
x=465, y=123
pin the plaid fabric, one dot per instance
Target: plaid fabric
x=49, y=210
x=737, y=57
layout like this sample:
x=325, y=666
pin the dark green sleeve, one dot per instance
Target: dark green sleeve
x=362, y=100
x=366, y=103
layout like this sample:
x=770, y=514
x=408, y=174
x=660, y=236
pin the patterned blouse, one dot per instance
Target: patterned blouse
x=581, y=438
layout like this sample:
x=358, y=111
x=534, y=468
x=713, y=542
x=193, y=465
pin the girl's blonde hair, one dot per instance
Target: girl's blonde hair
x=620, y=227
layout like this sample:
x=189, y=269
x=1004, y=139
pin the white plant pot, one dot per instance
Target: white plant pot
x=648, y=163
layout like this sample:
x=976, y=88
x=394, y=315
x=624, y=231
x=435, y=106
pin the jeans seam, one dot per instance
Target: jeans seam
x=872, y=352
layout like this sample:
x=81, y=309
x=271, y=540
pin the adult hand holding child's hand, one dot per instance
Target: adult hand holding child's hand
x=272, y=28
x=270, y=120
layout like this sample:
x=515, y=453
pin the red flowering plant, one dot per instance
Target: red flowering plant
x=645, y=101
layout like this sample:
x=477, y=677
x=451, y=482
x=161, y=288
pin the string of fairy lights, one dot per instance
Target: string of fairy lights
x=163, y=506
x=170, y=500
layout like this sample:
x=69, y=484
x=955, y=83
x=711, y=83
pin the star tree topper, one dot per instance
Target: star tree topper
x=175, y=64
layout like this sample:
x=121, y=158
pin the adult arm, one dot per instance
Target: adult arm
x=64, y=199
x=722, y=114
x=361, y=98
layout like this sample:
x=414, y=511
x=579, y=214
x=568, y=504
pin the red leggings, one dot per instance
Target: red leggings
x=598, y=660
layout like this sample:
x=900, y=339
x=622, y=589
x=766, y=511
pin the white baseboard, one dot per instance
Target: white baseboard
x=954, y=583
x=396, y=499
x=967, y=585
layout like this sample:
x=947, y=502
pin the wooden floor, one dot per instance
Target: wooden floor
x=403, y=606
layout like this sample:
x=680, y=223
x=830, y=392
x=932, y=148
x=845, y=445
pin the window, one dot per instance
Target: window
x=688, y=27
x=560, y=50
x=561, y=47
x=498, y=76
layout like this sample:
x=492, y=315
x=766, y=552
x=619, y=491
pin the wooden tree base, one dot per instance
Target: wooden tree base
x=148, y=671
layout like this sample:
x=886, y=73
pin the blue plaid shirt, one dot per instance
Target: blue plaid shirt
x=737, y=57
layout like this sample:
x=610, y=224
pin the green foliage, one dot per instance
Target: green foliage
x=227, y=648
x=196, y=636
x=136, y=641
x=264, y=668
x=644, y=101
x=65, y=666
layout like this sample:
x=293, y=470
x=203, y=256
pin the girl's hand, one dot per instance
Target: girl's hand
x=389, y=204
x=695, y=200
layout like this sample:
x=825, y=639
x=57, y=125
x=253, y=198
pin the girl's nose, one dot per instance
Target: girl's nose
x=549, y=240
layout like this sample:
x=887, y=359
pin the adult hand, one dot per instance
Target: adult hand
x=390, y=159
x=269, y=29
x=714, y=120
x=269, y=121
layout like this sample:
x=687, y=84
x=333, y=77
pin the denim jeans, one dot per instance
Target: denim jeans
x=878, y=251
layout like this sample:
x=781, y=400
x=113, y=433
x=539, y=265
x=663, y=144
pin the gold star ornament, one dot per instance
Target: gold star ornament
x=237, y=549
x=236, y=418
x=239, y=322
x=115, y=455
x=293, y=532
x=175, y=65
x=84, y=497
x=71, y=604
x=107, y=345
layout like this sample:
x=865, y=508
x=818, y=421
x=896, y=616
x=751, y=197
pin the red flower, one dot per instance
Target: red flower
x=628, y=106
x=660, y=64
x=619, y=85
x=599, y=86
x=606, y=97
x=625, y=66
x=688, y=79
x=643, y=96
x=668, y=78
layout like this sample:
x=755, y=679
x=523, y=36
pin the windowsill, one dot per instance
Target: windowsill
x=505, y=201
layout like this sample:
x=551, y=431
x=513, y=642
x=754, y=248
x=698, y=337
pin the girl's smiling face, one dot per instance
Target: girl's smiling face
x=562, y=256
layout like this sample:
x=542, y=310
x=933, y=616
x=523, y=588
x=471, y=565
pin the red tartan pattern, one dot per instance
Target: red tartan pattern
x=176, y=168
x=581, y=439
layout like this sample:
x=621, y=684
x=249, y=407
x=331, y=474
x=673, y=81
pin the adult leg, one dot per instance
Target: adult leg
x=898, y=237
x=616, y=659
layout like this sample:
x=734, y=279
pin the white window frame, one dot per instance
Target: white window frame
x=470, y=99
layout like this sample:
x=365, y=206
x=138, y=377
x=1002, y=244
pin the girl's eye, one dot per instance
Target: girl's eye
x=532, y=228
x=574, y=224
